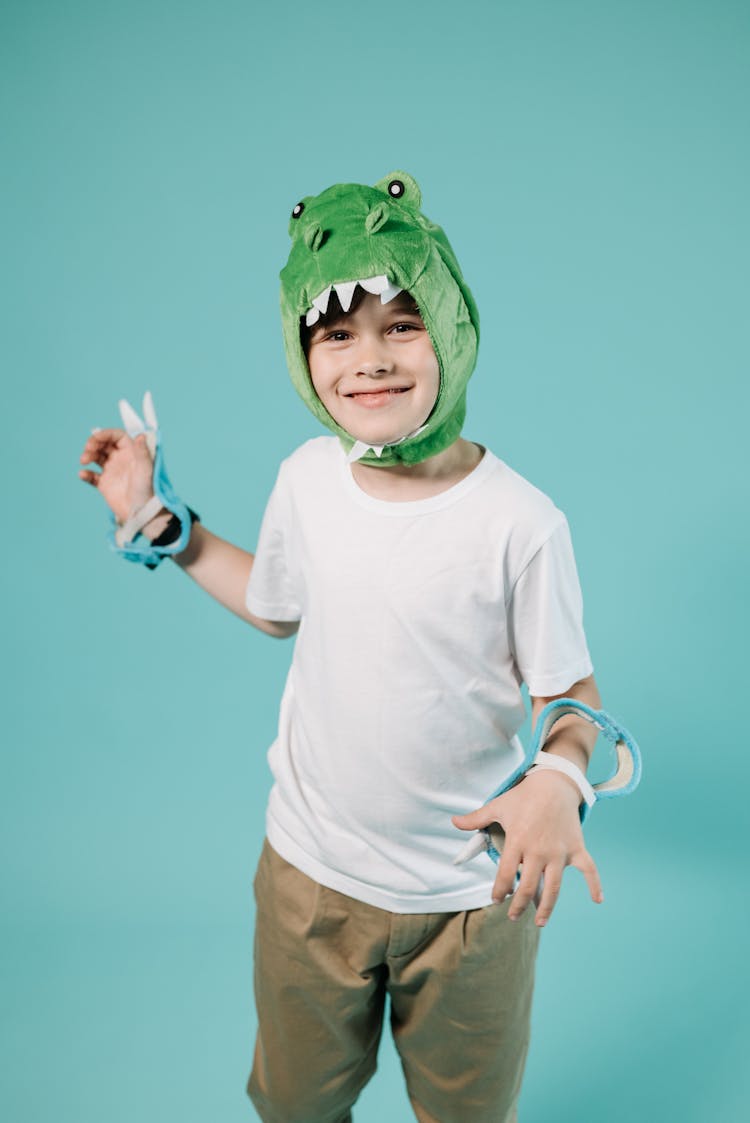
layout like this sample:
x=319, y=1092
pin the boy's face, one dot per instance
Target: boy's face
x=375, y=370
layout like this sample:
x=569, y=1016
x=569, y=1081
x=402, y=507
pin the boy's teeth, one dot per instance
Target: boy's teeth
x=378, y=286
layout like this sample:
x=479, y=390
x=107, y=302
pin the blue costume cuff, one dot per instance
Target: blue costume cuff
x=624, y=779
x=139, y=548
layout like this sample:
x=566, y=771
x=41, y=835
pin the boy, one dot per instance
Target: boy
x=425, y=581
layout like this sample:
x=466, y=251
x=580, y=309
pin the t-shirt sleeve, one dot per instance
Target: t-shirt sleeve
x=273, y=591
x=545, y=619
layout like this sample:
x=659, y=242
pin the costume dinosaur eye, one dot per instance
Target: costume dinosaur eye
x=297, y=211
x=396, y=188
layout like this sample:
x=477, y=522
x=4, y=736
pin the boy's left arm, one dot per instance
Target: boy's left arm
x=540, y=816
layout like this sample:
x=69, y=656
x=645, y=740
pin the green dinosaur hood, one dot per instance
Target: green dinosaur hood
x=352, y=233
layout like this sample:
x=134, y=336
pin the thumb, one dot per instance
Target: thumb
x=475, y=820
x=142, y=450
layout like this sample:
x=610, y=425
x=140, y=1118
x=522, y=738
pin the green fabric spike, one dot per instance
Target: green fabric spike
x=351, y=231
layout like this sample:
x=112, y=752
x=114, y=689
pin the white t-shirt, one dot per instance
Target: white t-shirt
x=419, y=621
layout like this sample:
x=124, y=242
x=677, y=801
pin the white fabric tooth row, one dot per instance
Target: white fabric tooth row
x=377, y=286
x=359, y=448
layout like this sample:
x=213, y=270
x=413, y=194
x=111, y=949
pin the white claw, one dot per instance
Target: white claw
x=475, y=845
x=149, y=412
x=312, y=316
x=345, y=292
x=130, y=419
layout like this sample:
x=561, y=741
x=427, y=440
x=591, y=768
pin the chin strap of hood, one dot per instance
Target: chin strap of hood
x=377, y=237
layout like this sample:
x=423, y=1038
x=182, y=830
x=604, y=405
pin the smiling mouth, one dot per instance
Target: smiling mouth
x=373, y=398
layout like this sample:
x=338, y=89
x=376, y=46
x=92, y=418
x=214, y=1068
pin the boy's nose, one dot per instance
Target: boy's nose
x=372, y=360
x=372, y=368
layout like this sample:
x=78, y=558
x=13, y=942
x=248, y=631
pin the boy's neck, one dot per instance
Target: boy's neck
x=401, y=483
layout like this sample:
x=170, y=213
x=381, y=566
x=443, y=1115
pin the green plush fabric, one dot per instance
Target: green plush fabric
x=351, y=231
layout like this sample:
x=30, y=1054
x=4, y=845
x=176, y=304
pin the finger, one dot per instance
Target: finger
x=97, y=454
x=552, y=883
x=510, y=859
x=106, y=435
x=586, y=864
x=149, y=412
x=100, y=443
x=531, y=872
x=474, y=821
x=130, y=419
x=144, y=448
x=89, y=477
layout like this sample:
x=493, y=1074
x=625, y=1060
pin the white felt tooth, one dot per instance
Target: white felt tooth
x=359, y=448
x=321, y=300
x=357, y=451
x=475, y=845
x=130, y=419
x=149, y=413
x=389, y=293
x=312, y=316
x=345, y=293
x=375, y=285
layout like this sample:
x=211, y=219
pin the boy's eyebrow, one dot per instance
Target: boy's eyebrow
x=330, y=321
x=405, y=307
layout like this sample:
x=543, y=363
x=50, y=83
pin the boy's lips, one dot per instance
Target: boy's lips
x=372, y=399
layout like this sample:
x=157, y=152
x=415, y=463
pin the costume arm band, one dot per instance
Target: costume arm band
x=550, y=762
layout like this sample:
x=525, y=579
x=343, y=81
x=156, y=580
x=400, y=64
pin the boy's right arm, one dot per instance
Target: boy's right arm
x=223, y=570
x=124, y=481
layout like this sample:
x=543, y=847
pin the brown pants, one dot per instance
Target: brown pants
x=460, y=986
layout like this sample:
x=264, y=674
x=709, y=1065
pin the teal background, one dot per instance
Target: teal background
x=589, y=161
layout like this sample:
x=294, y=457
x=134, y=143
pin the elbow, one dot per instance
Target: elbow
x=282, y=629
x=290, y=630
x=585, y=690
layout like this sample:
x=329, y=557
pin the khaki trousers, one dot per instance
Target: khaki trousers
x=460, y=987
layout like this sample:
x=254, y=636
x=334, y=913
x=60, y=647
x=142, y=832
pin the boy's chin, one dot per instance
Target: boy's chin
x=379, y=432
x=378, y=437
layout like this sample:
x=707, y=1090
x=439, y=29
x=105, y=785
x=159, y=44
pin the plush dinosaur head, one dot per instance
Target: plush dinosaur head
x=378, y=238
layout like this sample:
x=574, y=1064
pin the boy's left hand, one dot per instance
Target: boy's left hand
x=543, y=835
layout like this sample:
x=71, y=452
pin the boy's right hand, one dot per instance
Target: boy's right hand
x=125, y=475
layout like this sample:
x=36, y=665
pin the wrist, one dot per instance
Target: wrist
x=559, y=781
x=552, y=762
x=157, y=525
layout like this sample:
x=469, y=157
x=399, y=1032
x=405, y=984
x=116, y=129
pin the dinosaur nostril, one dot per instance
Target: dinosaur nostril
x=377, y=217
x=313, y=237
